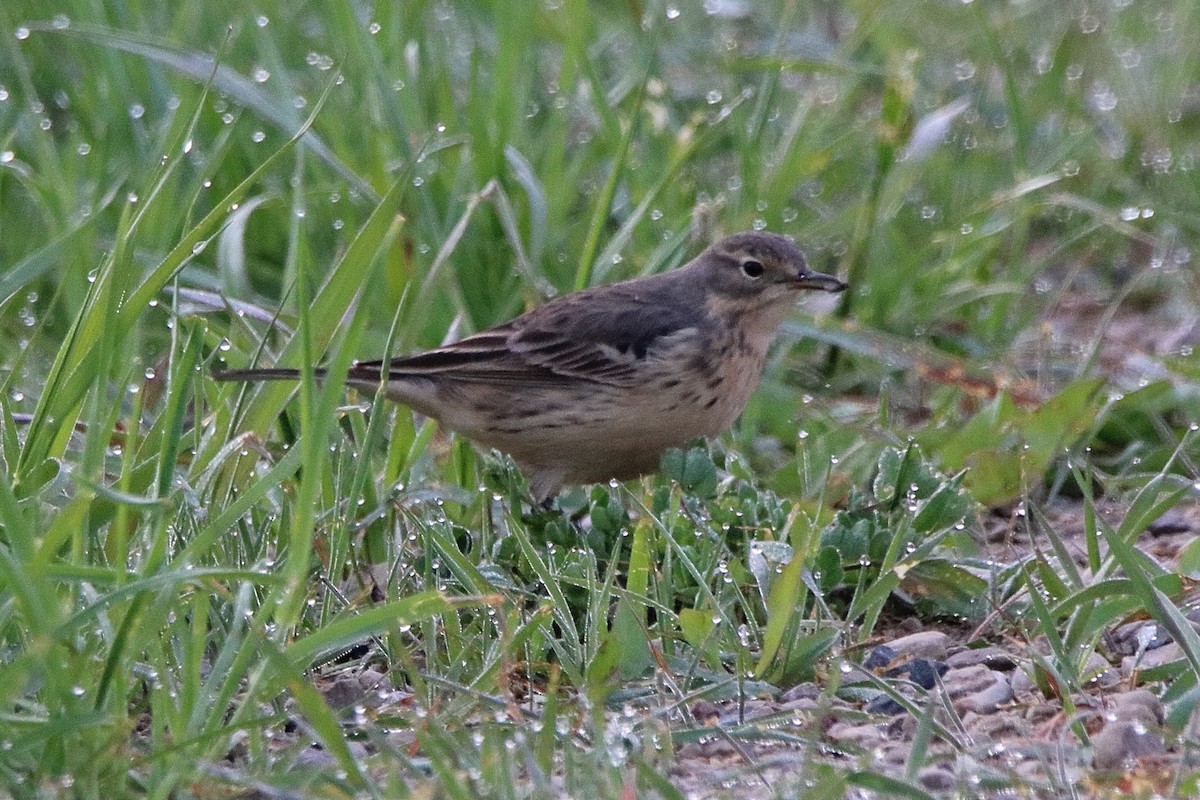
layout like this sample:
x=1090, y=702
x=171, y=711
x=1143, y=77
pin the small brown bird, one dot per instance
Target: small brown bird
x=597, y=384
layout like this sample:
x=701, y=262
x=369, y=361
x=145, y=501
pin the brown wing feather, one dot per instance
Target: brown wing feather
x=598, y=335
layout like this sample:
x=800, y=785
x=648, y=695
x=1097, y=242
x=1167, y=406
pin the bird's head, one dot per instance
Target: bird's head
x=755, y=269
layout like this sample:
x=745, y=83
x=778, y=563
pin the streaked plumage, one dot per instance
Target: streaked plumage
x=597, y=384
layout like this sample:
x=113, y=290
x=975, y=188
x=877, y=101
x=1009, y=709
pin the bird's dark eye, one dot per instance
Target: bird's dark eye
x=752, y=268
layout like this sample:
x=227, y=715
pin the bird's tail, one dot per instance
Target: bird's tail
x=261, y=374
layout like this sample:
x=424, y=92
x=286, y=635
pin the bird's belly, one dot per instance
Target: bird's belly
x=593, y=432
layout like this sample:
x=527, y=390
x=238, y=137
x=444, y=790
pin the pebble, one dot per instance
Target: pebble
x=992, y=657
x=800, y=704
x=921, y=671
x=1141, y=635
x=996, y=727
x=705, y=712
x=937, y=779
x=1140, y=705
x=735, y=714
x=715, y=748
x=1098, y=672
x=880, y=657
x=1173, y=521
x=865, y=736
x=1022, y=680
x=977, y=689
x=1151, y=658
x=1122, y=742
x=926, y=644
x=344, y=692
x=883, y=704
x=802, y=690
x=373, y=680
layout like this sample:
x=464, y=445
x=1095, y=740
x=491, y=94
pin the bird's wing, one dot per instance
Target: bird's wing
x=599, y=336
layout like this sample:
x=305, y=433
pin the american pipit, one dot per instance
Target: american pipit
x=597, y=384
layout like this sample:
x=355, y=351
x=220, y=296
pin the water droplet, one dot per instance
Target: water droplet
x=319, y=60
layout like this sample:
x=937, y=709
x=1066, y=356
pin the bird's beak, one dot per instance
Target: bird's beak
x=819, y=280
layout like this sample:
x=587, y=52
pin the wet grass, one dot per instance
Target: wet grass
x=187, y=567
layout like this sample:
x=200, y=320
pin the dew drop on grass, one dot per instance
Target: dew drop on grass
x=83, y=148
x=137, y=111
x=319, y=60
x=258, y=136
x=261, y=75
x=22, y=33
